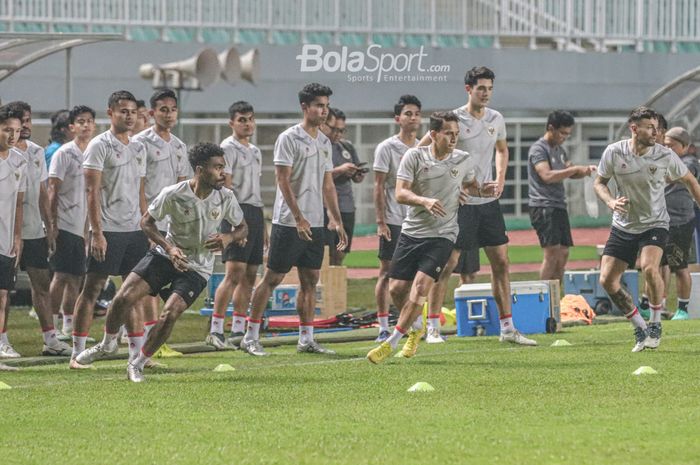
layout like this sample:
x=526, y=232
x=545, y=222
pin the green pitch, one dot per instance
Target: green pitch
x=492, y=404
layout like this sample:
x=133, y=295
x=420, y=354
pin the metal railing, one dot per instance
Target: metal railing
x=590, y=137
x=570, y=24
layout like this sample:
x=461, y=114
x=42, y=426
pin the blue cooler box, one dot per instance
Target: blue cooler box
x=587, y=285
x=534, y=311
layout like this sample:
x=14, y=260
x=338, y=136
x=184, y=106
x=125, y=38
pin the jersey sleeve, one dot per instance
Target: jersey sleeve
x=141, y=159
x=329, y=158
x=381, y=158
x=158, y=208
x=23, y=183
x=501, y=129
x=407, y=168
x=605, y=166
x=184, y=170
x=58, y=165
x=42, y=161
x=538, y=154
x=676, y=168
x=95, y=155
x=229, y=159
x=284, y=150
x=234, y=214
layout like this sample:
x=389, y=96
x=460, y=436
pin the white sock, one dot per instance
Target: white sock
x=140, y=360
x=238, y=325
x=417, y=323
x=306, y=334
x=395, y=337
x=434, y=321
x=147, y=327
x=56, y=319
x=122, y=331
x=217, y=324
x=3, y=338
x=383, y=319
x=636, y=319
x=253, y=332
x=78, y=345
x=49, y=337
x=507, y=324
x=135, y=344
x=109, y=340
x=67, y=323
x=656, y=311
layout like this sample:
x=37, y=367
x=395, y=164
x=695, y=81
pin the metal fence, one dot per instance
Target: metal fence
x=590, y=137
x=569, y=24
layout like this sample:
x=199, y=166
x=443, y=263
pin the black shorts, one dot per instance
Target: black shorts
x=468, y=262
x=252, y=252
x=288, y=250
x=70, y=254
x=386, y=248
x=124, y=251
x=552, y=226
x=158, y=271
x=332, y=239
x=677, y=248
x=412, y=255
x=481, y=226
x=35, y=254
x=625, y=246
x=8, y=273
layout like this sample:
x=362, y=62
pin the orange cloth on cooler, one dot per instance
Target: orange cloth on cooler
x=575, y=308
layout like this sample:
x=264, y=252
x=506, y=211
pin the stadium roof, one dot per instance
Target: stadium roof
x=679, y=101
x=19, y=50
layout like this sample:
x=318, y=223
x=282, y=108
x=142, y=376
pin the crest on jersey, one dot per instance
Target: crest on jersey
x=652, y=169
x=36, y=163
x=454, y=172
x=138, y=160
x=214, y=214
x=17, y=176
x=491, y=130
x=346, y=154
x=186, y=211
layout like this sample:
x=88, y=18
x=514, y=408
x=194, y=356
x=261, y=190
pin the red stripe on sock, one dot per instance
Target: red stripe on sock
x=509, y=315
x=656, y=308
x=150, y=323
x=216, y=315
x=400, y=329
x=634, y=312
x=139, y=334
x=382, y=314
x=241, y=315
x=434, y=315
x=250, y=320
x=80, y=334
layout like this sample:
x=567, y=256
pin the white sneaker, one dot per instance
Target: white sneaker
x=134, y=374
x=653, y=336
x=7, y=351
x=73, y=365
x=434, y=336
x=640, y=337
x=57, y=349
x=216, y=340
x=65, y=334
x=516, y=338
x=96, y=352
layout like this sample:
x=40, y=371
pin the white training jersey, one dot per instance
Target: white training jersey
x=32, y=225
x=478, y=138
x=642, y=179
x=166, y=161
x=387, y=157
x=435, y=179
x=191, y=221
x=67, y=165
x=122, y=168
x=13, y=179
x=310, y=160
x=244, y=164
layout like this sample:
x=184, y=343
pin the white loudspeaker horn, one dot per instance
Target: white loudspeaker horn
x=250, y=66
x=197, y=72
x=230, y=63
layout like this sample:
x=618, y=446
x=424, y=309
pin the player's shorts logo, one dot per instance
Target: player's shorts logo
x=214, y=214
x=454, y=172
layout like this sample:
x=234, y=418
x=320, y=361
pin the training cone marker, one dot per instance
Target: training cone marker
x=224, y=367
x=644, y=370
x=4, y=386
x=421, y=386
x=560, y=343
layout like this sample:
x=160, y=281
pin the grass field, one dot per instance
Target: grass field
x=492, y=404
x=516, y=253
